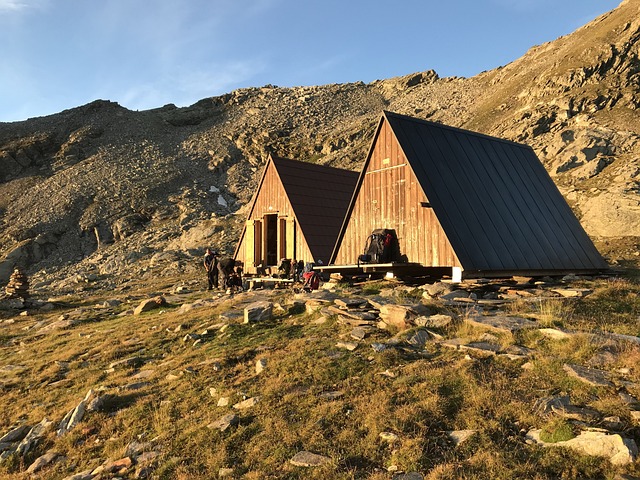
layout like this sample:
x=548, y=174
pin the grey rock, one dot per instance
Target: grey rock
x=460, y=436
x=261, y=364
x=500, y=323
x=350, y=302
x=150, y=304
x=409, y=476
x=572, y=292
x=7, y=446
x=147, y=457
x=518, y=351
x=131, y=362
x=144, y=374
x=248, y=403
x=225, y=422
x=258, y=312
x=309, y=459
x=419, y=338
x=352, y=314
x=434, y=321
x=591, y=376
x=456, y=295
x=389, y=437
x=437, y=288
x=555, y=334
x=59, y=325
x=16, y=434
x=85, y=475
x=135, y=448
x=619, y=450
x=482, y=347
x=612, y=423
x=351, y=346
x=135, y=386
x=624, y=396
x=12, y=304
x=355, y=322
x=42, y=462
x=625, y=338
x=359, y=333
x=74, y=417
x=574, y=412
x=314, y=304
x=33, y=437
x=102, y=403
x=398, y=316
x=331, y=395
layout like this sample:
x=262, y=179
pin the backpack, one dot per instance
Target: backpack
x=378, y=248
x=311, y=281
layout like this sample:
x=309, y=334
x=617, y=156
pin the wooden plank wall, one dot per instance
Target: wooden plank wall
x=390, y=197
x=272, y=199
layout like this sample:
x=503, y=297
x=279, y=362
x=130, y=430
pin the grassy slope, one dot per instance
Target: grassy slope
x=422, y=399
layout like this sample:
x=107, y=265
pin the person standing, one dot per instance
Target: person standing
x=211, y=266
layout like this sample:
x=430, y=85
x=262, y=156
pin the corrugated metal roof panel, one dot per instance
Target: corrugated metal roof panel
x=497, y=204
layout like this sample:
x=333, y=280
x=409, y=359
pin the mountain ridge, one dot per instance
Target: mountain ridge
x=103, y=188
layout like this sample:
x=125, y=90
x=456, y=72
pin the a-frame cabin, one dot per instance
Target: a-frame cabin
x=296, y=213
x=476, y=204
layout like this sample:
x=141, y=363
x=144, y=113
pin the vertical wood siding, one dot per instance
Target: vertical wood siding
x=391, y=197
x=272, y=199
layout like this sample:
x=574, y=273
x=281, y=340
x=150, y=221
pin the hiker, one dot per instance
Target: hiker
x=299, y=270
x=225, y=269
x=284, y=269
x=211, y=266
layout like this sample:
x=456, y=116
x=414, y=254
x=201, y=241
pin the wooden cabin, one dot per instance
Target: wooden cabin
x=471, y=203
x=296, y=213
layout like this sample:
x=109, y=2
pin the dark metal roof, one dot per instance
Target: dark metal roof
x=319, y=196
x=494, y=199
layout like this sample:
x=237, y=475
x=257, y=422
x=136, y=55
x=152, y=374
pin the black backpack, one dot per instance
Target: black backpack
x=379, y=247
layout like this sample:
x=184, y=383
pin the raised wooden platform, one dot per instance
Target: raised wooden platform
x=397, y=269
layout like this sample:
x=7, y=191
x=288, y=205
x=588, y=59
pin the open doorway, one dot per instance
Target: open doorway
x=271, y=239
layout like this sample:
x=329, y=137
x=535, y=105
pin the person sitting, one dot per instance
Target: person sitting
x=284, y=268
x=311, y=278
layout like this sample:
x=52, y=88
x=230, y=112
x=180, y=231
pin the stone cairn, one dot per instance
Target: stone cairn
x=18, y=286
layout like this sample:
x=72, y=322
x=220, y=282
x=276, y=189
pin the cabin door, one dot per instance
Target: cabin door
x=270, y=240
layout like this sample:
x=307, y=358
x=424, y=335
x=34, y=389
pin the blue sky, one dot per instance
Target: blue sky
x=59, y=54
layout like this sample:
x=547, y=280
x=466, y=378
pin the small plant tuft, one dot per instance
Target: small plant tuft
x=557, y=430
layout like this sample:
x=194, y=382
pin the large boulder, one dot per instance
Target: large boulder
x=150, y=304
x=619, y=450
x=398, y=316
x=258, y=312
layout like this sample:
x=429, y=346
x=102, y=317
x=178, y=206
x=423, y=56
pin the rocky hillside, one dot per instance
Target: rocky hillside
x=100, y=189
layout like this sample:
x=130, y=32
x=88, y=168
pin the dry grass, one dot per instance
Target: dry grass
x=420, y=401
